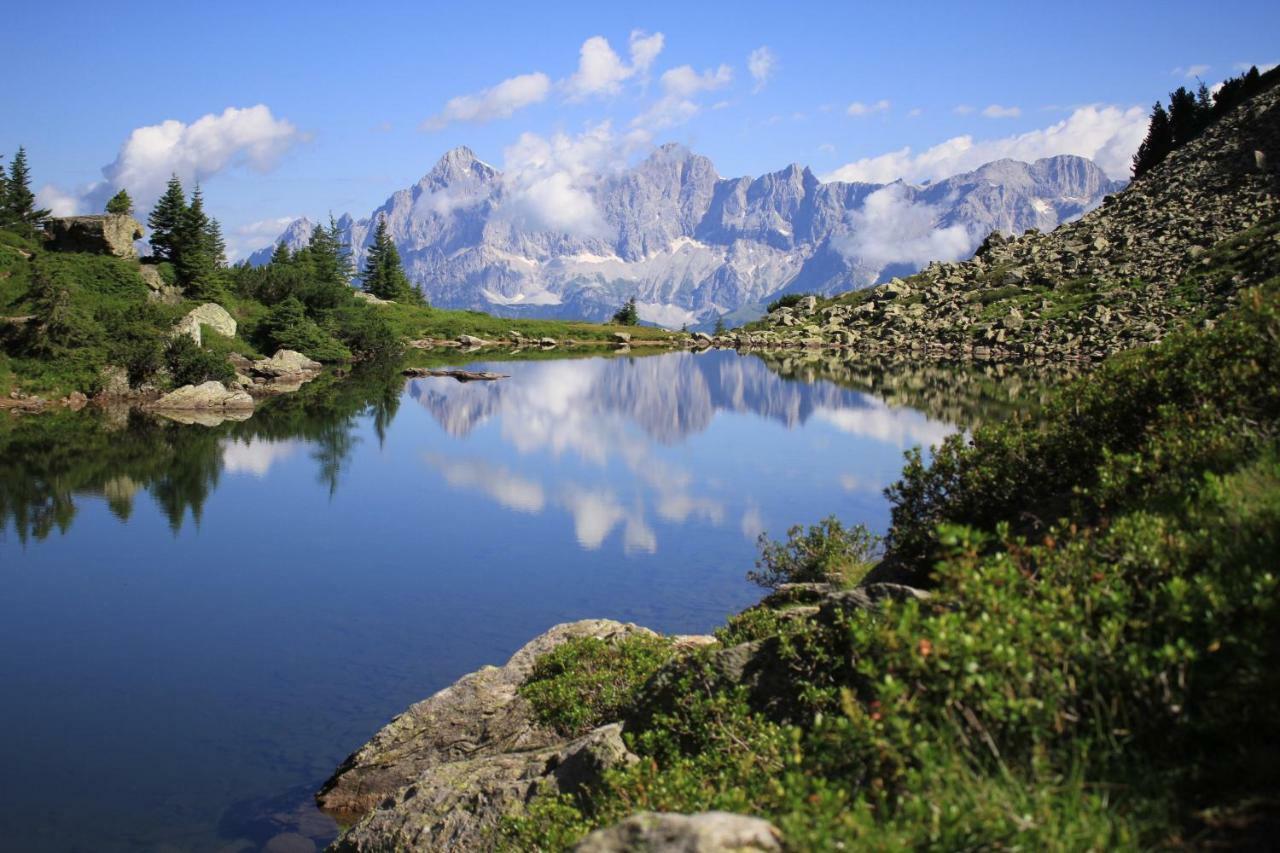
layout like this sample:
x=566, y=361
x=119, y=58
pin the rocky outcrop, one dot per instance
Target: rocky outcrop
x=286, y=363
x=160, y=290
x=209, y=314
x=705, y=832
x=459, y=805
x=450, y=734
x=1150, y=259
x=107, y=234
x=209, y=395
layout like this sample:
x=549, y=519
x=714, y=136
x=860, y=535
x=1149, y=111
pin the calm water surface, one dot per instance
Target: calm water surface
x=197, y=623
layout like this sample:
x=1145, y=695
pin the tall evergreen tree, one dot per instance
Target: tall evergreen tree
x=120, y=203
x=1157, y=144
x=1184, y=115
x=383, y=274
x=281, y=256
x=329, y=257
x=166, y=221
x=19, y=209
x=193, y=255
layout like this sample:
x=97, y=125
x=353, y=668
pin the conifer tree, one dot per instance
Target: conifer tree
x=166, y=221
x=383, y=275
x=281, y=256
x=19, y=208
x=193, y=255
x=1157, y=144
x=330, y=259
x=121, y=204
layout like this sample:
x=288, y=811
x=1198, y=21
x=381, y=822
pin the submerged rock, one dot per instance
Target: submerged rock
x=705, y=832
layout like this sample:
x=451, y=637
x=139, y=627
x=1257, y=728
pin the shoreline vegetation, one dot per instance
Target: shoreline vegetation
x=1067, y=639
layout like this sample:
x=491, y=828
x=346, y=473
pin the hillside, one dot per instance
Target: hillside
x=690, y=245
x=1173, y=247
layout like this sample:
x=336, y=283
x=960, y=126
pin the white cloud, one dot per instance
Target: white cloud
x=827, y=148
x=962, y=109
x=890, y=228
x=915, y=112
x=1263, y=67
x=903, y=427
x=500, y=101
x=255, y=456
x=549, y=181
x=1108, y=135
x=997, y=111
x=761, y=63
x=237, y=137
x=58, y=202
x=1191, y=71
x=858, y=108
x=251, y=137
x=680, y=86
x=601, y=71
x=498, y=483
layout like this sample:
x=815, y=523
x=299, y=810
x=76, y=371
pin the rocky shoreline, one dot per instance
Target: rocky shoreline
x=448, y=771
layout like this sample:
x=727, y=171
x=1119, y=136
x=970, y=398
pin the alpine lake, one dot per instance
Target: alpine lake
x=199, y=621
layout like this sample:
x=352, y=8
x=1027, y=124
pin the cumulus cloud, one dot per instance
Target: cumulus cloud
x=602, y=72
x=858, y=108
x=58, y=201
x=249, y=137
x=890, y=228
x=255, y=456
x=500, y=101
x=1191, y=71
x=1108, y=135
x=997, y=111
x=549, y=182
x=680, y=87
x=761, y=64
x=962, y=109
x=506, y=488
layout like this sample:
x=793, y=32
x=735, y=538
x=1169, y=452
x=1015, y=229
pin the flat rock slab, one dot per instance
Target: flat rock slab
x=480, y=715
x=460, y=375
x=704, y=832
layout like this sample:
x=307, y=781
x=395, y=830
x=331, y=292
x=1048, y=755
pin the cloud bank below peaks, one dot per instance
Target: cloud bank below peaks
x=1108, y=135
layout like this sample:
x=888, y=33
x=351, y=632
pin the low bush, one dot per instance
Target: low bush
x=826, y=551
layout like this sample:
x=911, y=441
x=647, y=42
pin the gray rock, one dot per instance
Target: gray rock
x=107, y=234
x=704, y=832
x=478, y=716
x=209, y=314
x=208, y=395
x=286, y=363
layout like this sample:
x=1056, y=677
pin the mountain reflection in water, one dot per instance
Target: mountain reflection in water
x=200, y=621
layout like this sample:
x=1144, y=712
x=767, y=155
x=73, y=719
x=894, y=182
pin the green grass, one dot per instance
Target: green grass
x=414, y=322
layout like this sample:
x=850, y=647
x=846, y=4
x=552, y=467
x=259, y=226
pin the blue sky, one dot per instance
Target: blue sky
x=353, y=101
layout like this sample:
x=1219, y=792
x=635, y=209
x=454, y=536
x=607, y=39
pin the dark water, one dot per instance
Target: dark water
x=197, y=623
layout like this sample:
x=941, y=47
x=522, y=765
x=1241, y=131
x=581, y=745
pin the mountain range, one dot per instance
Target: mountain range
x=691, y=246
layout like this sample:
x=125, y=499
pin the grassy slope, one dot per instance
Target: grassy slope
x=413, y=323
x=1097, y=667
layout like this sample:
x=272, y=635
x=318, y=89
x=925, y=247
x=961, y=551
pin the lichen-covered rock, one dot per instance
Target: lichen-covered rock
x=480, y=715
x=106, y=234
x=208, y=395
x=704, y=832
x=459, y=805
x=209, y=314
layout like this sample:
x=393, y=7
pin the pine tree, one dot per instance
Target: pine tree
x=166, y=220
x=330, y=260
x=214, y=244
x=19, y=208
x=281, y=256
x=383, y=275
x=628, y=314
x=193, y=255
x=1184, y=116
x=1157, y=144
x=120, y=204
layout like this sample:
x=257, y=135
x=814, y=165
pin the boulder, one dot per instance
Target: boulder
x=106, y=234
x=471, y=341
x=371, y=299
x=208, y=395
x=209, y=314
x=286, y=362
x=479, y=716
x=622, y=337
x=704, y=832
x=547, y=342
x=161, y=291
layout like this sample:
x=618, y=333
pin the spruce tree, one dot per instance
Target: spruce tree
x=120, y=204
x=19, y=209
x=1184, y=116
x=383, y=275
x=1157, y=144
x=193, y=256
x=166, y=220
x=281, y=256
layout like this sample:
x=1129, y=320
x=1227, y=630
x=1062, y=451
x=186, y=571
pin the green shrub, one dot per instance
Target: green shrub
x=586, y=682
x=189, y=364
x=825, y=551
x=287, y=326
